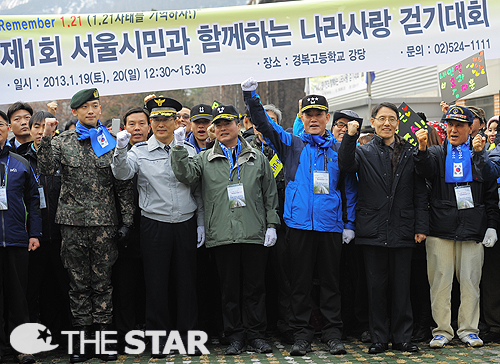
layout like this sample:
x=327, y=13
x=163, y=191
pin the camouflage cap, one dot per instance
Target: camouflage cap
x=82, y=96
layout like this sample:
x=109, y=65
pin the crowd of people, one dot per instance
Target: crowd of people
x=183, y=221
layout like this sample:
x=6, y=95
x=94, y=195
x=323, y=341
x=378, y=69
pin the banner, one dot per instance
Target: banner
x=337, y=85
x=51, y=57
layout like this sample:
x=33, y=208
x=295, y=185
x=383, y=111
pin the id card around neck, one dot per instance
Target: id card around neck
x=3, y=198
x=321, y=182
x=236, y=195
x=41, y=192
x=463, y=194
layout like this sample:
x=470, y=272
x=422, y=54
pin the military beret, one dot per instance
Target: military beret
x=460, y=113
x=227, y=112
x=163, y=106
x=82, y=96
x=201, y=111
x=314, y=102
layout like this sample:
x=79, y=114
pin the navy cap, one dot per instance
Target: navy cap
x=201, y=111
x=163, y=106
x=314, y=102
x=227, y=112
x=460, y=113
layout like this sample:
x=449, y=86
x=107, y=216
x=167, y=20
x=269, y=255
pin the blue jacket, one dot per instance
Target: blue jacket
x=22, y=219
x=304, y=209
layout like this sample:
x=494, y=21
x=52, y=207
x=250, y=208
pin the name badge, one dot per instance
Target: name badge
x=236, y=195
x=321, y=182
x=458, y=170
x=3, y=198
x=463, y=194
x=43, y=204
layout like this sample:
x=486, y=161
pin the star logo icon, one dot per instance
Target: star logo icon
x=44, y=334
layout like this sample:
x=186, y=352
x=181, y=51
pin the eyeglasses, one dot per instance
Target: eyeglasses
x=383, y=119
x=341, y=125
x=183, y=116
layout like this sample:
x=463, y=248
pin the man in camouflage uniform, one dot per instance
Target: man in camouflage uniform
x=87, y=211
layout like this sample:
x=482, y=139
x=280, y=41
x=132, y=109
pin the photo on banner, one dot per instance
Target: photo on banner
x=409, y=123
x=463, y=78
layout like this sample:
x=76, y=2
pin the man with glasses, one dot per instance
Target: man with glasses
x=168, y=221
x=391, y=217
x=182, y=118
x=340, y=121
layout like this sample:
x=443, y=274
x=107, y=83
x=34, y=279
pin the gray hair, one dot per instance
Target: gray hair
x=274, y=109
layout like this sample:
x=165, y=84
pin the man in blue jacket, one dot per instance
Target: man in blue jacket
x=313, y=214
x=20, y=230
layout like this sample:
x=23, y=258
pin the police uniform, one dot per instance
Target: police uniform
x=170, y=213
x=87, y=215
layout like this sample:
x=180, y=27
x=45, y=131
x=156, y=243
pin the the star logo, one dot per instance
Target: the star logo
x=31, y=338
x=44, y=334
x=220, y=109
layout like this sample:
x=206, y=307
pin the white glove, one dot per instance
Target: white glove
x=271, y=237
x=347, y=236
x=180, y=136
x=490, y=238
x=250, y=84
x=122, y=139
x=201, y=235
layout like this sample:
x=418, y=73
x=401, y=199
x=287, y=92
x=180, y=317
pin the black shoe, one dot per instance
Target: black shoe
x=26, y=359
x=259, y=346
x=111, y=347
x=366, y=337
x=336, y=347
x=491, y=337
x=76, y=357
x=377, y=348
x=300, y=348
x=422, y=334
x=235, y=348
x=158, y=356
x=412, y=348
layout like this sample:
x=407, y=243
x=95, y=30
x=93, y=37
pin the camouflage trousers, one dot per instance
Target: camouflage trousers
x=88, y=253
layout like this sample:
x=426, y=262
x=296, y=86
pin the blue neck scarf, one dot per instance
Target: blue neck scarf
x=100, y=138
x=458, y=166
x=325, y=141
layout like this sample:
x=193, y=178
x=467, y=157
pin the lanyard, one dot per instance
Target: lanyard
x=4, y=179
x=316, y=158
x=34, y=175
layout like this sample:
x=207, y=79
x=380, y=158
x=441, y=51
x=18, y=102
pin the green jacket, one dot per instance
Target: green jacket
x=223, y=224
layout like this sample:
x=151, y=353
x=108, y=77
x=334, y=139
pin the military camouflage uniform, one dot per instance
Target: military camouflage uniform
x=87, y=213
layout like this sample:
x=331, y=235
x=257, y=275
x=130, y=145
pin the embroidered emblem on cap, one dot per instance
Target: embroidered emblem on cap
x=159, y=102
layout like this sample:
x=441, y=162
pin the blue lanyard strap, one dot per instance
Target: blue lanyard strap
x=34, y=175
x=4, y=179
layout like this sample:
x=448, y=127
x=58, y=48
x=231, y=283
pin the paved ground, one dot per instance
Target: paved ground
x=455, y=352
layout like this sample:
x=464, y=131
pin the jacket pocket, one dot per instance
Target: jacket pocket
x=474, y=221
x=367, y=223
x=407, y=224
x=443, y=217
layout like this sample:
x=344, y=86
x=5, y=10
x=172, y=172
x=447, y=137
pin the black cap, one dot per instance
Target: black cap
x=163, y=106
x=346, y=114
x=227, y=112
x=460, y=113
x=82, y=96
x=314, y=102
x=201, y=111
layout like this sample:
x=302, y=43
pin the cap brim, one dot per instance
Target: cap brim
x=228, y=117
x=202, y=116
x=319, y=107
